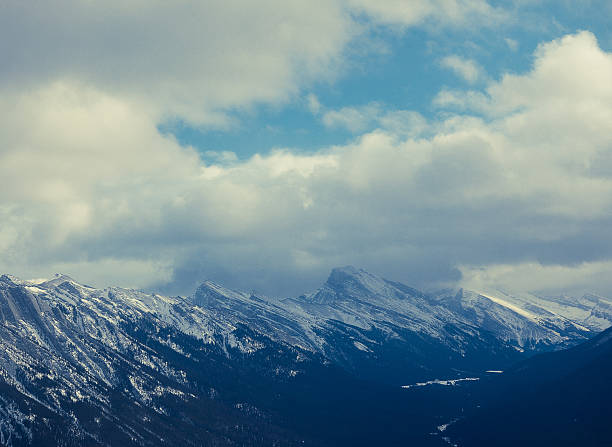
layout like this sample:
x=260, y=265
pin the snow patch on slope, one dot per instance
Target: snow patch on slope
x=512, y=307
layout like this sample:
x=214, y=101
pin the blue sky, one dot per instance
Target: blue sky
x=440, y=143
x=400, y=70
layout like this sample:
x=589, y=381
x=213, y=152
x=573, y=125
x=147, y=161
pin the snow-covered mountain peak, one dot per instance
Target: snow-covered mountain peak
x=9, y=279
x=210, y=294
x=64, y=276
x=350, y=283
x=59, y=280
x=349, y=276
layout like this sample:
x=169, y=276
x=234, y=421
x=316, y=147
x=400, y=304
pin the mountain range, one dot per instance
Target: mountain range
x=384, y=330
x=86, y=366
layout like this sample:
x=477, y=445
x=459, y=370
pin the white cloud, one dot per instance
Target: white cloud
x=191, y=59
x=445, y=12
x=313, y=104
x=403, y=122
x=221, y=157
x=354, y=119
x=467, y=69
x=536, y=277
x=88, y=183
x=130, y=273
x=368, y=117
x=551, y=75
x=512, y=43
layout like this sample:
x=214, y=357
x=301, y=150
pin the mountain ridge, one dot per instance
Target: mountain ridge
x=70, y=351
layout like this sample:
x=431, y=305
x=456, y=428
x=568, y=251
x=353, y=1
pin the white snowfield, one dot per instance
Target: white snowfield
x=512, y=307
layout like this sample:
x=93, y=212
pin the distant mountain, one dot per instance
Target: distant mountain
x=589, y=311
x=531, y=322
x=120, y=367
x=560, y=399
x=384, y=330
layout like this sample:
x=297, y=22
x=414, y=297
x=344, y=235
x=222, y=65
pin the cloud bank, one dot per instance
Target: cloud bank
x=191, y=59
x=517, y=174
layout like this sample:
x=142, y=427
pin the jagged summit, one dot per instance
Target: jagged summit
x=9, y=279
x=212, y=294
x=63, y=276
x=350, y=273
x=350, y=283
x=58, y=279
x=349, y=276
